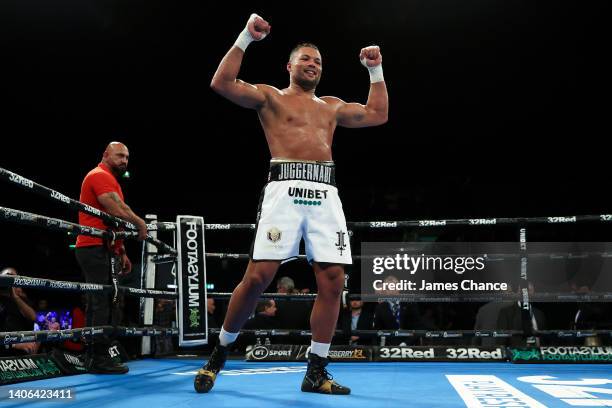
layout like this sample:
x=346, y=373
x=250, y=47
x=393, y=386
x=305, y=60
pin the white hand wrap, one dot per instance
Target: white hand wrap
x=376, y=72
x=245, y=37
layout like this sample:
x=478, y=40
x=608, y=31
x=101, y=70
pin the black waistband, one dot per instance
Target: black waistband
x=317, y=172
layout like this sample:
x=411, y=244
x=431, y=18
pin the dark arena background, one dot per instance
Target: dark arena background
x=495, y=112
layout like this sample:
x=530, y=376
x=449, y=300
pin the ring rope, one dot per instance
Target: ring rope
x=490, y=257
x=27, y=218
x=44, y=336
x=109, y=219
x=40, y=283
x=475, y=297
x=121, y=331
x=471, y=222
x=22, y=217
x=39, y=189
x=432, y=334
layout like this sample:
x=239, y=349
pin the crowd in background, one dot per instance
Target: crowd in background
x=20, y=312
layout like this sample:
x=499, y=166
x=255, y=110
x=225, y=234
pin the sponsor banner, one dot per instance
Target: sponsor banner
x=191, y=260
x=27, y=368
x=24, y=282
x=423, y=353
x=560, y=354
x=276, y=352
x=350, y=353
x=284, y=352
x=91, y=287
x=488, y=391
x=383, y=224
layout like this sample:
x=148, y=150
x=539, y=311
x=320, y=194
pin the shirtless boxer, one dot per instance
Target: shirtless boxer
x=300, y=200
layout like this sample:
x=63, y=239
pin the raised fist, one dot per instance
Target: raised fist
x=370, y=56
x=258, y=27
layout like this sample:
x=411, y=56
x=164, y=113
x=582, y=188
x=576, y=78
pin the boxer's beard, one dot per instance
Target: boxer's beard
x=307, y=84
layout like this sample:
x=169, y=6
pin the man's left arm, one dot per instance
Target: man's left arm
x=375, y=111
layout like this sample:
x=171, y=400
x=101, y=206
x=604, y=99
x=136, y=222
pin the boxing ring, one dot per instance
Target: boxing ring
x=169, y=381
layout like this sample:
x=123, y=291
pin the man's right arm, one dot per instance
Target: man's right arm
x=114, y=205
x=24, y=308
x=225, y=81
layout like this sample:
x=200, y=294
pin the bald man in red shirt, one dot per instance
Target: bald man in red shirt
x=101, y=190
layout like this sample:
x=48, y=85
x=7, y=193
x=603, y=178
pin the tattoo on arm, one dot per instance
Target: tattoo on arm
x=116, y=198
x=113, y=203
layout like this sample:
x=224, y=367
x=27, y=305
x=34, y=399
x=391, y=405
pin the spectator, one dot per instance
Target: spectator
x=515, y=317
x=163, y=317
x=54, y=324
x=78, y=321
x=590, y=316
x=265, y=316
x=487, y=318
x=291, y=314
x=40, y=323
x=286, y=285
x=356, y=317
x=16, y=314
x=391, y=314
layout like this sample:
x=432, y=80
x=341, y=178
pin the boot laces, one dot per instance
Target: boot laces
x=322, y=373
x=216, y=360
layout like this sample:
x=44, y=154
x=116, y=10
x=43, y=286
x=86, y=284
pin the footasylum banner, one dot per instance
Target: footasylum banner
x=28, y=368
x=193, y=322
x=560, y=354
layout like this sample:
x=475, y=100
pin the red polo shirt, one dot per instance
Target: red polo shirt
x=97, y=182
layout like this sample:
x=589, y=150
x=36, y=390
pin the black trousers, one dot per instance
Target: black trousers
x=95, y=265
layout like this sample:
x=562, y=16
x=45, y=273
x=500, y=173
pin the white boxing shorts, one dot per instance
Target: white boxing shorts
x=300, y=201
